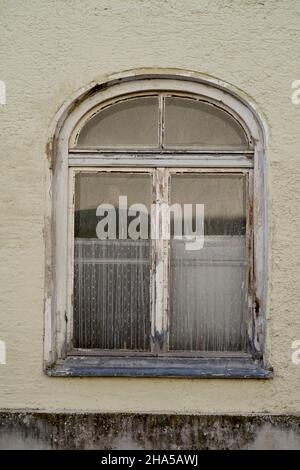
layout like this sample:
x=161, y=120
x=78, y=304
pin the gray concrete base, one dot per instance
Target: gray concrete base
x=41, y=430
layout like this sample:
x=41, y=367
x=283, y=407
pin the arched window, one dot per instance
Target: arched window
x=158, y=232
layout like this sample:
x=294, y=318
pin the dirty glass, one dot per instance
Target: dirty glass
x=129, y=124
x=190, y=123
x=208, y=284
x=112, y=261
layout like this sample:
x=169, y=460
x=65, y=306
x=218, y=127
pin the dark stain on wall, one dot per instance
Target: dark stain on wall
x=39, y=430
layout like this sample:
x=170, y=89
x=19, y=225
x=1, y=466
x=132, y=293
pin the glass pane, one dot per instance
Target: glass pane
x=208, y=285
x=127, y=124
x=190, y=123
x=112, y=261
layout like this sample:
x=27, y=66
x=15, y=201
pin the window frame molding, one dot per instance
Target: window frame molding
x=59, y=249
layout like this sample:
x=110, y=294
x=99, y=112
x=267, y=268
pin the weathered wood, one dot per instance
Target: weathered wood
x=167, y=160
x=160, y=367
x=58, y=324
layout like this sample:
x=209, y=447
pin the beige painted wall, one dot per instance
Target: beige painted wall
x=48, y=50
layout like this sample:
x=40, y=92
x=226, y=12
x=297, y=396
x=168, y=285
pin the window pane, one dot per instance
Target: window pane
x=208, y=285
x=190, y=123
x=127, y=124
x=112, y=275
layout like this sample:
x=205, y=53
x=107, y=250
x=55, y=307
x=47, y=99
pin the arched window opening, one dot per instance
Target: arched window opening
x=157, y=186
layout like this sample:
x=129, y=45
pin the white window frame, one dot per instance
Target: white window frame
x=65, y=160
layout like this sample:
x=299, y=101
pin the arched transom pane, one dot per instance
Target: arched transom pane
x=191, y=123
x=160, y=122
x=129, y=123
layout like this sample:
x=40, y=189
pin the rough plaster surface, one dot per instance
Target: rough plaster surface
x=48, y=50
x=21, y=430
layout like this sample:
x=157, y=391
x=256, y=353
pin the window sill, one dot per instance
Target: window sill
x=217, y=368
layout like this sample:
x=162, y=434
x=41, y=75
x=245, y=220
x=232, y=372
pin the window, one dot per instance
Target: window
x=158, y=221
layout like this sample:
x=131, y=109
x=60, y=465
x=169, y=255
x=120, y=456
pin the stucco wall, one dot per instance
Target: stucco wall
x=48, y=50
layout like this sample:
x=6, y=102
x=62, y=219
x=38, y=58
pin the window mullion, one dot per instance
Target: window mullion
x=160, y=229
x=161, y=121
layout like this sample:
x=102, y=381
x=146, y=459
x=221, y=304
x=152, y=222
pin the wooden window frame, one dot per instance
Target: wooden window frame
x=60, y=358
